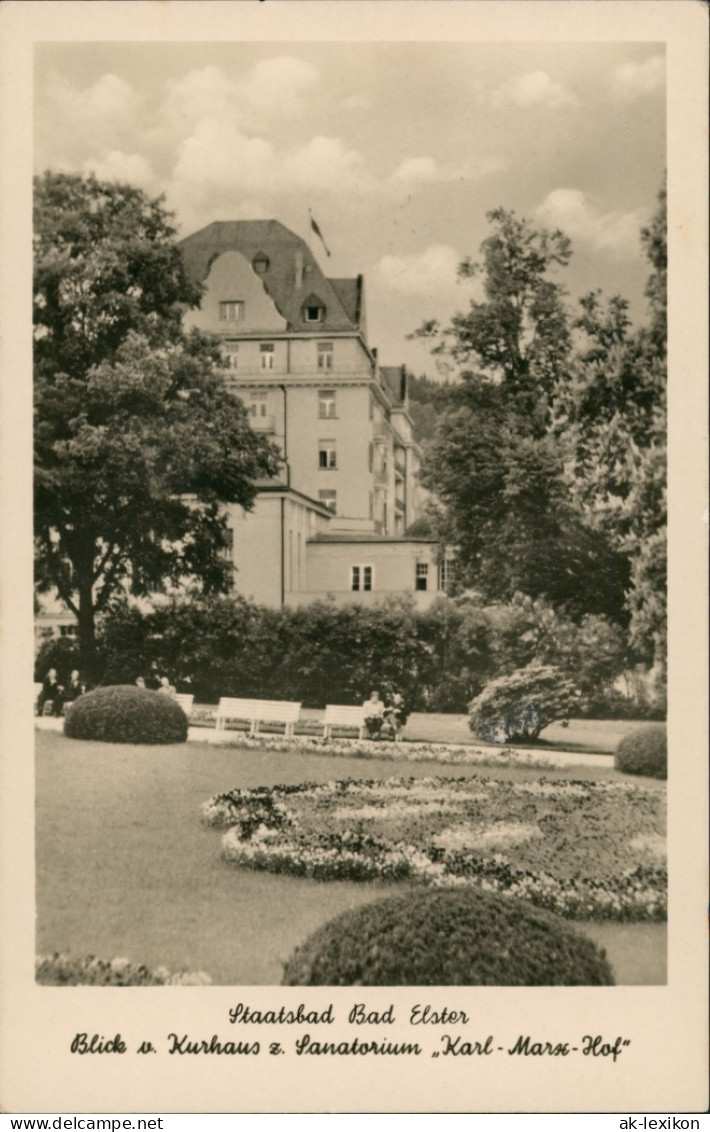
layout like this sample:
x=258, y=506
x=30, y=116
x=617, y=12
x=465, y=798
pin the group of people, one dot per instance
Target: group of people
x=58, y=694
x=384, y=717
x=156, y=683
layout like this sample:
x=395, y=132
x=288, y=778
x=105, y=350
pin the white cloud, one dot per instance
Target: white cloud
x=115, y=165
x=72, y=121
x=279, y=86
x=220, y=169
x=422, y=273
x=200, y=94
x=419, y=170
x=273, y=88
x=326, y=164
x=614, y=233
x=634, y=80
x=535, y=88
x=217, y=165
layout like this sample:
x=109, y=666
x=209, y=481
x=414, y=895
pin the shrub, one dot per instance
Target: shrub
x=520, y=706
x=449, y=937
x=61, y=653
x=64, y=971
x=644, y=751
x=124, y=714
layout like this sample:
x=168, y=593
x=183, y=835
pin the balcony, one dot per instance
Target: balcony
x=263, y=424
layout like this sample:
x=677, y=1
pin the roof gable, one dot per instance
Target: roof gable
x=291, y=277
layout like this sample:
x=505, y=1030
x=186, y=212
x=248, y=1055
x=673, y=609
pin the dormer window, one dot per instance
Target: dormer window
x=260, y=263
x=232, y=310
x=313, y=309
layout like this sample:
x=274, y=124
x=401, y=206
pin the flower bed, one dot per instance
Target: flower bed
x=579, y=849
x=67, y=971
x=445, y=753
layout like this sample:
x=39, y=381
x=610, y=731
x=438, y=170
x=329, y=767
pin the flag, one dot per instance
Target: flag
x=318, y=233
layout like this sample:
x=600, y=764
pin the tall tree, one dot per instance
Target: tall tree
x=137, y=441
x=519, y=335
x=493, y=463
x=612, y=413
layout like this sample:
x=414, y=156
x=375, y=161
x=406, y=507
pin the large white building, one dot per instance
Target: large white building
x=333, y=523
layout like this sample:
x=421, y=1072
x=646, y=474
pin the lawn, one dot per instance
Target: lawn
x=601, y=736
x=125, y=868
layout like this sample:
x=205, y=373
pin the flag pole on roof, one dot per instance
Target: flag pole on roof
x=319, y=234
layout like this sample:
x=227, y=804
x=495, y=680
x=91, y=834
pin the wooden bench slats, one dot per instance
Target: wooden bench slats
x=343, y=715
x=256, y=712
x=186, y=701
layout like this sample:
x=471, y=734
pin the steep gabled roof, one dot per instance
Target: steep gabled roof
x=348, y=291
x=292, y=276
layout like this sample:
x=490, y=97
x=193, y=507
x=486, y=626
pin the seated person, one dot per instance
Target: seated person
x=395, y=714
x=373, y=715
x=152, y=680
x=52, y=692
x=75, y=688
x=166, y=688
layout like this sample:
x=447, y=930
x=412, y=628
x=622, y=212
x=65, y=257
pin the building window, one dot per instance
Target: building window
x=314, y=312
x=361, y=578
x=258, y=404
x=326, y=404
x=370, y=449
x=231, y=354
x=260, y=263
x=266, y=350
x=326, y=454
x=325, y=355
x=231, y=311
x=329, y=499
x=446, y=573
x=422, y=576
x=67, y=630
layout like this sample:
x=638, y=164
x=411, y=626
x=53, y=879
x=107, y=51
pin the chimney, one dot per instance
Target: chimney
x=299, y=269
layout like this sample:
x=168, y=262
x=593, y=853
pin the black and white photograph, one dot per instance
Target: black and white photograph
x=345, y=496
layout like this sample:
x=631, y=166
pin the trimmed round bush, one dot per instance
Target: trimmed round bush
x=123, y=713
x=644, y=751
x=447, y=937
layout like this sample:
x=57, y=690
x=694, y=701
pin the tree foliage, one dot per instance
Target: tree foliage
x=518, y=707
x=137, y=442
x=549, y=458
x=612, y=414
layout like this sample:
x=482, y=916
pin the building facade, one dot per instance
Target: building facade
x=332, y=523
x=295, y=343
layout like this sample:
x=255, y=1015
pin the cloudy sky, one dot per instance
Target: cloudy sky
x=399, y=149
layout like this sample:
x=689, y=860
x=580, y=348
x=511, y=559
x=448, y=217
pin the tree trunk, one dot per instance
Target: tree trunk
x=88, y=659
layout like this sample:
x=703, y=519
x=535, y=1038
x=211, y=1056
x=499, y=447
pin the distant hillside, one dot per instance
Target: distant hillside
x=427, y=399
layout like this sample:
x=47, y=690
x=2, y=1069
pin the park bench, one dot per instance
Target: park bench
x=256, y=712
x=343, y=715
x=185, y=701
